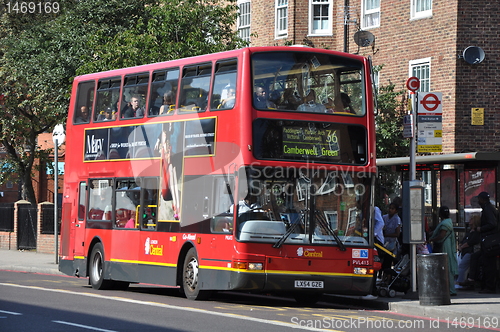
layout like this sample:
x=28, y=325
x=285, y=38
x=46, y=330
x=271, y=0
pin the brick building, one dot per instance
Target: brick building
x=423, y=38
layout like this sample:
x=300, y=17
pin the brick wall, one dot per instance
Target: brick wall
x=45, y=243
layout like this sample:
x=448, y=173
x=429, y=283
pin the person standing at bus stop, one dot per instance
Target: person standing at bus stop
x=481, y=259
x=443, y=239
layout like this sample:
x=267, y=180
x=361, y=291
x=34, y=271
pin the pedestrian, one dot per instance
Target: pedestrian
x=443, y=239
x=468, y=246
x=392, y=230
x=481, y=259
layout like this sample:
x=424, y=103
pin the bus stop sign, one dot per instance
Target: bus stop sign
x=413, y=83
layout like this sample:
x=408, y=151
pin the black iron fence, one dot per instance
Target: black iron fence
x=26, y=226
x=6, y=217
x=48, y=219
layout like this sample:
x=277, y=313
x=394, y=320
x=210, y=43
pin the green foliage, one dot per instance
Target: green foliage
x=41, y=53
x=187, y=28
x=390, y=140
x=389, y=122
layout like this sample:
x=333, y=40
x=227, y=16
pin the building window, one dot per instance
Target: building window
x=376, y=81
x=320, y=17
x=281, y=18
x=371, y=14
x=422, y=69
x=244, y=20
x=421, y=9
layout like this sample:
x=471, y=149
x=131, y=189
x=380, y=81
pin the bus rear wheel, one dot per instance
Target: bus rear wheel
x=190, y=278
x=96, y=269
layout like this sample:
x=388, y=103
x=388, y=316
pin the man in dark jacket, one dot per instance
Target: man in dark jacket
x=488, y=226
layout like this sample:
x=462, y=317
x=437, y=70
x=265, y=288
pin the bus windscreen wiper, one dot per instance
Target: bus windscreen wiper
x=326, y=225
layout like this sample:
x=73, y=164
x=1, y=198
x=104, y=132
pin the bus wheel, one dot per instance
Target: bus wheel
x=96, y=269
x=190, y=278
x=307, y=299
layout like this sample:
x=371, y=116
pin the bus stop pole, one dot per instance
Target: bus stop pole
x=56, y=231
x=413, y=176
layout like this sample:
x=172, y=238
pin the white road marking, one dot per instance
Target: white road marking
x=82, y=326
x=10, y=312
x=168, y=306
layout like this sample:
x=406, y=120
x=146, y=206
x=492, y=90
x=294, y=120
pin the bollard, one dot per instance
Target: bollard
x=433, y=279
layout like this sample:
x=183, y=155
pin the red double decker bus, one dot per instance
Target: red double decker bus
x=247, y=170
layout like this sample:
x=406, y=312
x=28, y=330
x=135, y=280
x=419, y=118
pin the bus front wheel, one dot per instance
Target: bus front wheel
x=190, y=278
x=96, y=269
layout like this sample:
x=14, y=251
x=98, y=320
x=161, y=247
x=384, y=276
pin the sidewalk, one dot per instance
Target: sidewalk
x=470, y=306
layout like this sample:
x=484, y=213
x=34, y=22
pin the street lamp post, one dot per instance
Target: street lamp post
x=58, y=137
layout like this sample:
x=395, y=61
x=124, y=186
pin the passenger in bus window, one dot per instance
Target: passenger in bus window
x=343, y=104
x=107, y=115
x=228, y=102
x=291, y=100
x=260, y=100
x=133, y=109
x=310, y=104
x=168, y=103
x=131, y=222
x=83, y=115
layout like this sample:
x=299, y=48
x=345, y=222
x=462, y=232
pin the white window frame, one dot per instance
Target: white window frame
x=417, y=13
x=376, y=81
x=320, y=32
x=425, y=82
x=244, y=24
x=280, y=15
x=371, y=12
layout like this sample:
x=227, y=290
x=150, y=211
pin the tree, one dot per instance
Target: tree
x=40, y=54
x=171, y=29
x=390, y=140
x=389, y=122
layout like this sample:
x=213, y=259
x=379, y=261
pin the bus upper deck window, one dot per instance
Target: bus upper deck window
x=163, y=93
x=108, y=95
x=195, y=87
x=84, y=102
x=224, y=86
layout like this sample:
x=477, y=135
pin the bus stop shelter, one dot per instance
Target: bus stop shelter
x=453, y=180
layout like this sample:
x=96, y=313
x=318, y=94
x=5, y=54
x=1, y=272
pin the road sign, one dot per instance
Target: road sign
x=430, y=103
x=59, y=134
x=413, y=83
x=430, y=122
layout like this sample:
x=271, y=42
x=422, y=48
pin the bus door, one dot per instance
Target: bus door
x=77, y=223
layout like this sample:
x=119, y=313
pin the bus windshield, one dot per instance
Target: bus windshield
x=308, y=82
x=303, y=206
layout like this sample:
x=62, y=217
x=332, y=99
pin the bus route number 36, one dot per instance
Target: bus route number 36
x=308, y=284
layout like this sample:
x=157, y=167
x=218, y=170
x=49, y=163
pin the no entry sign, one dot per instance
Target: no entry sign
x=430, y=103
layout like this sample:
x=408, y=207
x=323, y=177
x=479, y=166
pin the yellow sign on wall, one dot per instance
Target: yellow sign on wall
x=477, y=116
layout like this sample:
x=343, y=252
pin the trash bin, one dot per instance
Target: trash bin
x=433, y=279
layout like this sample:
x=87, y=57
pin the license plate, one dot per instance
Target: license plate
x=308, y=284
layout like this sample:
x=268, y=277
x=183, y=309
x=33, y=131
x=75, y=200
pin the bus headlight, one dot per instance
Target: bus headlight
x=360, y=270
x=255, y=266
x=248, y=266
